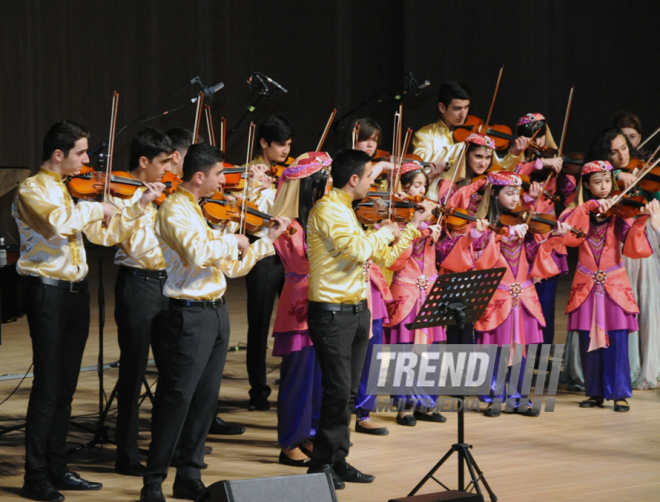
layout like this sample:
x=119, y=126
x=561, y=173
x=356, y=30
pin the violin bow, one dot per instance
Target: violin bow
x=111, y=145
x=515, y=162
x=648, y=139
x=250, y=146
x=453, y=179
x=492, y=103
x=396, y=146
x=198, y=116
x=223, y=133
x=326, y=130
x=209, y=124
x=560, y=153
x=356, y=136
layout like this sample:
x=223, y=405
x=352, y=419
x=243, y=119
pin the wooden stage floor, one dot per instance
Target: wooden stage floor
x=571, y=454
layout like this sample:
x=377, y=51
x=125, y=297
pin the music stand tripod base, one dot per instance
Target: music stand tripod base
x=458, y=299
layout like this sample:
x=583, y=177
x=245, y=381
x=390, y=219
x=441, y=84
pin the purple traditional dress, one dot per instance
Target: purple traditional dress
x=299, y=397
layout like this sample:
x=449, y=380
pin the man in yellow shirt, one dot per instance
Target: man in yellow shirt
x=338, y=316
x=434, y=143
x=53, y=259
x=196, y=335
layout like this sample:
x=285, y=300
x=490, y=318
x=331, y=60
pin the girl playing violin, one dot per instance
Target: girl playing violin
x=414, y=274
x=601, y=306
x=613, y=145
x=299, y=397
x=514, y=314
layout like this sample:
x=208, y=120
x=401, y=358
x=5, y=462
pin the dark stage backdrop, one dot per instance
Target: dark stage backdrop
x=64, y=59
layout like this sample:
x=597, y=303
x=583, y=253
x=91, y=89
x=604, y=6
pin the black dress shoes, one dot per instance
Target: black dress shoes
x=260, y=404
x=378, y=431
x=433, y=417
x=621, y=407
x=152, y=492
x=492, y=412
x=407, y=420
x=41, y=490
x=592, y=402
x=350, y=474
x=188, y=489
x=219, y=426
x=136, y=469
x=72, y=481
x=286, y=460
x=336, y=480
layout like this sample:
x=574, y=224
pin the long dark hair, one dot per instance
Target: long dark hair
x=495, y=208
x=312, y=189
x=602, y=144
x=469, y=173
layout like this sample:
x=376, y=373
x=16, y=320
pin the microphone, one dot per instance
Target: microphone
x=415, y=87
x=208, y=91
x=271, y=81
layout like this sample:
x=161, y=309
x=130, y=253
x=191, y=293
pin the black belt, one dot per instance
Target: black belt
x=177, y=302
x=152, y=274
x=73, y=287
x=355, y=308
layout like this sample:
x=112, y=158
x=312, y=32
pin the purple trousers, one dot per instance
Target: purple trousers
x=299, y=398
x=607, y=370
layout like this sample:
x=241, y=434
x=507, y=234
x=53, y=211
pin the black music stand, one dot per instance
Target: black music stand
x=458, y=299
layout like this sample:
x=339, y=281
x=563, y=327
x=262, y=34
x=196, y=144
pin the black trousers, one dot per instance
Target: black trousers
x=194, y=346
x=263, y=282
x=341, y=340
x=140, y=313
x=59, y=326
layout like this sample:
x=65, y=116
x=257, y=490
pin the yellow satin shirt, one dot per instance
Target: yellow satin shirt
x=435, y=142
x=338, y=248
x=51, y=225
x=141, y=249
x=197, y=257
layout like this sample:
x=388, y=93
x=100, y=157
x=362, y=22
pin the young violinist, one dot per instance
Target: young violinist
x=54, y=261
x=196, y=333
x=337, y=313
x=378, y=294
x=534, y=164
x=630, y=125
x=435, y=143
x=513, y=316
x=266, y=279
x=614, y=146
x=299, y=396
x=415, y=272
x=140, y=307
x=601, y=306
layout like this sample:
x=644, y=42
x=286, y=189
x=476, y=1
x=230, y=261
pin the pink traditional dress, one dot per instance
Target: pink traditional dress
x=601, y=305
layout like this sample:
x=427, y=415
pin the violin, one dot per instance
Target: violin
x=651, y=180
x=171, y=182
x=539, y=223
x=626, y=207
x=373, y=209
x=457, y=219
x=499, y=133
x=219, y=209
x=383, y=155
x=90, y=184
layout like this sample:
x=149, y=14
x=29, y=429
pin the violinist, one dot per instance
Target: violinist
x=299, y=397
x=415, y=272
x=513, y=316
x=181, y=140
x=54, y=261
x=614, y=146
x=140, y=307
x=435, y=143
x=266, y=279
x=601, y=307
x=369, y=140
x=630, y=125
x=196, y=334
x=535, y=165
x=338, y=249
